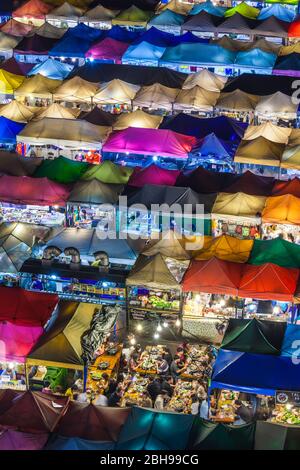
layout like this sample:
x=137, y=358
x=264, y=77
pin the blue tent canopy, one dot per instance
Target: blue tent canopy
x=74, y=443
x=71, y=47
x=143, y=51
x=223, y=127
x=255, y=58
x=157, y=38
x=277, y=10
x=6, y=7
x=202, y=54
x=122, y=35
x=167, y=18
x=9, y=130
x=52, y=69
x=83, y=31
x=214, y=150
x=190, y=38
x=209, y=7
x=289, y=348
x=255, y=373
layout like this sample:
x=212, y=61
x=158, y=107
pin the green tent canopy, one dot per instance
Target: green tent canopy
x=61, y=170
x=108, y=172
x=283, y=2
x=243, y=9
x=206, y=435
x=277, y=251
x=271, y=436
x=254, y=336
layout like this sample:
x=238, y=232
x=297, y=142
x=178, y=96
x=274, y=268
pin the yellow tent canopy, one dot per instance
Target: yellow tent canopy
x=133, y=16
x=226, y=248
x=16, y=111
x=171, y=244
x=291, y=155
x=76, y=89
x=9, y=82
x=156, y=96
x=37, y=86
x=99, y=13
x=182, y=8
x=238, y=205
x=205, y=79
x=196, y=98
x=8, y=42
x=282, y=210
x=152, y=272
x=286, y=50
x=116, y=91
x=55, y=111
x=269, y=131
x=237, y=100
x=259, y=151
x=137, y=118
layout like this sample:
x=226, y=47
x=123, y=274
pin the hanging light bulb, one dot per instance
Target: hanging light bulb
x=178, y=322
x=165, y=324
x=222, y=303
x=276, y=310
x=159, y=328
x=133, y=341
x=139, y=327
x=156, y=335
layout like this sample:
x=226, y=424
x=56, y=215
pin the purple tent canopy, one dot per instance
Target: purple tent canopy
x=150, y=142
x=14, y=440
x=17, y=341
x=153, y=174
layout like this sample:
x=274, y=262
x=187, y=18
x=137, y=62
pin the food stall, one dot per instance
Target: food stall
x=287, y=408
x=280, y=218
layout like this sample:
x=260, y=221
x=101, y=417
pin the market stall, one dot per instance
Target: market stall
x=280, y=218
x=155, y=96
x=99, y=17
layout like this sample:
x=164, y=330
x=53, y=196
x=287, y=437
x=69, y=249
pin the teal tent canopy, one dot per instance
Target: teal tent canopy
x=143, y=51
x=202, y=54
x=167, y=18
x=255, y=58
x=74, y=443
x=209, y=7
x=277, y=10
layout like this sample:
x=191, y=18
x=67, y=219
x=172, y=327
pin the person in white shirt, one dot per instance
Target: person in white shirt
x=204, y=411
x=161, y=400
x=101, y=400
x=82, y=398
x=195, y=405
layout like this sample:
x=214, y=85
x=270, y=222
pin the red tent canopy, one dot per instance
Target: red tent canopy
x=294, y=29
x=153, y=174
x=26, y=308
x=33, y=9
x=213, y=276
x=34, y=412
x=268, y=282
x=250, y=183
x=287, y=187
x=36, y=191
x=95, y=423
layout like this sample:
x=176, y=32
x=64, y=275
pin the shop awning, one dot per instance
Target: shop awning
x=133, y=16
x=153, y=174
x=52, y=69
x=37, y=86
x=205, y=79
x=116, y=92
x=9, y=82
x=95, y=423
x=277, y=251
x=171, y=244
x=76, y=89
x=225, y=248
x=108, y=172
x=250, y=183
x=60, y=346
x=239, y=371
x=9, y=130
x=17, y=341
x=137, y=118
x=282, y=210
x=93, y=192
x=239, y=205
x=212, y=276
x=254, y=336
x=268, y=282
x=152, y=272
x=243, y=9
x=16, y=111
x=282, y=187
x=150, y=142
x=108, y=49
x=259, y=151
x=156, y=96
x=25, y=308
x=34, y=191
x=32, y=9
x=269, y=131
x=35, y=412
x=61, y=169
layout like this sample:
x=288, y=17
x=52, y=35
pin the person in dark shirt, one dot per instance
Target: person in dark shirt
x=154, y=388
x=168, y=385
x=115, y=397
x=177, y=367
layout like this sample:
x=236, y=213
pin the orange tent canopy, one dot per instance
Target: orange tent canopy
x=33, y=8
x=294, y=29
x=292, y=187
x=213, y=276
x=282, y=209
x=268, y=282
x=226, y=248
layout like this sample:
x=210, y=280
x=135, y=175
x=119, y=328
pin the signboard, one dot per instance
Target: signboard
x=284, y=397
x=144, y=314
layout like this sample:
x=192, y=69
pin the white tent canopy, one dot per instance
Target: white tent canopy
x=205, y=79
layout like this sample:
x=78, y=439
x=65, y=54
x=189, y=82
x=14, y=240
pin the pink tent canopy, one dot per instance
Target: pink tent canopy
x=150, y=142
x=36, y=191
x=108, y=49
x=153, y=174
x=17, y=341
x=15, y=440
x=33, y=9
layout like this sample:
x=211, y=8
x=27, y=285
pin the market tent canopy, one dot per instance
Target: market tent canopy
x=157, y=38
x=47, y=30
x=17, y=341
x=272, y=436
x=153, y=174
x=255, y=58
x=225, y=248
x=176, y=6
x=167, y=18
x=288, y=65
x=32, y=9
x=204, y=181
x=16, y=111
x=72, y=133
x=239, y=205
x=116, y=92
x=15, y=440
x=277, y=251
x=99, y=13
x=66, y=11
x=74, y=443
x=282, y=187
x=272, y=26
x=133, y=16
x=60, y=346
x=37, y=86
x=262, y=85
x=147, y=429
x=269, y=131
x=150, y=142
x=278, y=103
x=25, y=308
x=152, y=272
x=61, y=169
x=33, y=191
x=16, y=28
x=137, y=118
x=292, y=333
x=99, y=117
x=213, y=276
x=243, y=9
x=95, y=423
x=35, y=412
x=71, y=46
x=108, y=49
x=203, y=54
x=239, y=371
x=52, y=69
x=236, y=100
x=8, y=42
x=171, y=244
x=54, y=111
x=9, y=130
x=9, y=82
x=108, y=172
x=35, y=45
x=205, y=79
x=209, y=7
x=282, y=210
x=156, y=96
x=250, y=183
x=122, y=34
x=93, y=192
x=277, y=10
x=75, y=89
x=16, y=165
x=291, y=154
x=237, y=24
x=259, y=151
x=213, y=149
x=294, y=29
x=254, y=336
x=15, y=67
x=268, y=282
x=202, y=22
x=196, y=99
x=143, y=52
